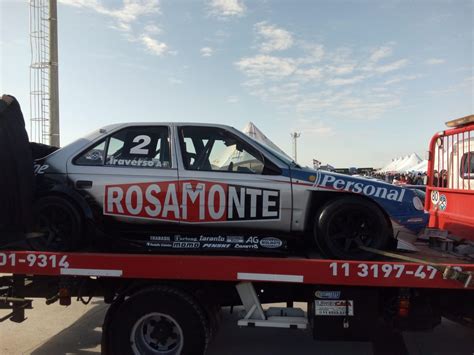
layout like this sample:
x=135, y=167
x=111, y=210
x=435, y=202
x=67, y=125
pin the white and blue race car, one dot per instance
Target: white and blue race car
x=163, y=187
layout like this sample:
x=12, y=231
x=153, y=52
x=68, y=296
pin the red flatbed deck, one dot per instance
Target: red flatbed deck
x=386, y=273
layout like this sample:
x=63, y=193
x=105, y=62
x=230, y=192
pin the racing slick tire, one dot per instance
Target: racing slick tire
x=158, y=320
x=60, y=224
x=345, y=223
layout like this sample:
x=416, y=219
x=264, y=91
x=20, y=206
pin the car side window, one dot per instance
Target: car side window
x=216, y=149
x=137, y=147
x=93, y=157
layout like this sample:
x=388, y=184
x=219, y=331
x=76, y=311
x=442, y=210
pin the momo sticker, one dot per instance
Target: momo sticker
x=192, y=201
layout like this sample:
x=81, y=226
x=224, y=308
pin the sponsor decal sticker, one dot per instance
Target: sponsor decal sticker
x=271, y=242
x=217, y=242
x=435, y=197
x=138, y=162
x=326, y=181
x=39, y=169
x=443, y=202
x=186, y=245
x=161, y=238
x=334, y=308
x=235, y=239
x=192, y=201
x=328, y=294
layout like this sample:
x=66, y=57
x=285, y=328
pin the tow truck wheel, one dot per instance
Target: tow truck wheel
x=159, y=320
x=61, y=224
x=344, y=224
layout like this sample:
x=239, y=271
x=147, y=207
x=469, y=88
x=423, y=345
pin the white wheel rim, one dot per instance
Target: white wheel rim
x=156, y=333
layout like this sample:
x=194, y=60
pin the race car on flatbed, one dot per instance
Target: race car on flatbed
x=161, y=187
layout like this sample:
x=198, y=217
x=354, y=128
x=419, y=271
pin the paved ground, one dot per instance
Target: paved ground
x=77, y=330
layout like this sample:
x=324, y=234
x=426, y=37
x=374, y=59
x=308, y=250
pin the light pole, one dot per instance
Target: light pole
x=295, y=136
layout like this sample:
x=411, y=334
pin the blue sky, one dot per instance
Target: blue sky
x=363, y=81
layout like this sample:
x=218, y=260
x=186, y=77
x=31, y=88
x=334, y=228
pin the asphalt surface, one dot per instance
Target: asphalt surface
x=77, y=330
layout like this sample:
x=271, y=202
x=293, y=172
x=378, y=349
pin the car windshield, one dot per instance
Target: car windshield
x=283, y=157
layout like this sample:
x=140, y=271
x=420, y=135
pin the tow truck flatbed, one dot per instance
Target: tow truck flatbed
x=381, y=273
x=346, y=299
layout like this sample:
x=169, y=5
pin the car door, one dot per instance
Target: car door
x=125, y=177
x=228, y=184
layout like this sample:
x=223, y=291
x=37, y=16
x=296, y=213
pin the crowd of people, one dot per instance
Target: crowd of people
x=409, y=178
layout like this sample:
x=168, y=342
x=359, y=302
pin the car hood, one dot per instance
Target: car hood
x=398, y=202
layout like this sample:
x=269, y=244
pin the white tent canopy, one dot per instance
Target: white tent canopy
x=411, y=162
x=392, y=165
x=253, y=132
x=422, y=167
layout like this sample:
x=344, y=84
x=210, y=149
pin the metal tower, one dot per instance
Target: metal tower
x=44, y=96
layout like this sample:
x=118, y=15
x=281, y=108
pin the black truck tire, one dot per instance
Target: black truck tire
x=157, y=320
x=343, y=224
x=60, y=223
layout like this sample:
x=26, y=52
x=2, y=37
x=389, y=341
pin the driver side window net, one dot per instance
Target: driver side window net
x=216, y=149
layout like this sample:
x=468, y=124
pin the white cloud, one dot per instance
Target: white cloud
x=253, y=82
x=273, y=38
x=226, y=8
x=342, y=69
x=466, y=84
x=128, y=13
x=380, y=53
x=391, y=66
x=315, y=52
x=435, y=61
x=154, y=46
x=127, y=16
x=152, y=29
x=206, y=51
x=266, y=66
x=232, y=99
x=310, y=73
x=346, y=104
x=400, y=78
x=345, y=81
x=175, y=81
x=318, y=130
x=318, y=81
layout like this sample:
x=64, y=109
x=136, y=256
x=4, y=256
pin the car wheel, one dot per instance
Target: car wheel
x=60, y=222
x=344, y=224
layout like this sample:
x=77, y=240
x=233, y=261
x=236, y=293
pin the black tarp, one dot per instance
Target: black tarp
x=39, y=150
x=16, y=172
